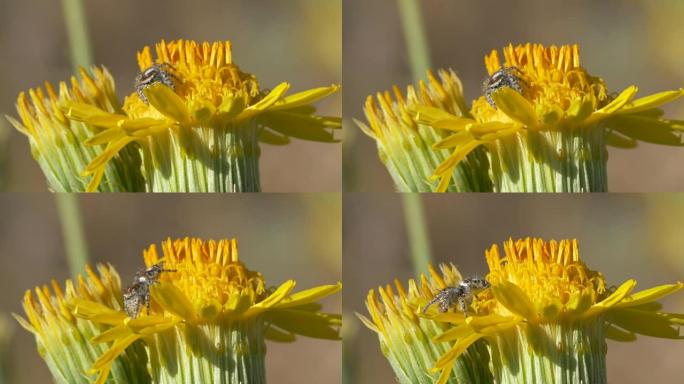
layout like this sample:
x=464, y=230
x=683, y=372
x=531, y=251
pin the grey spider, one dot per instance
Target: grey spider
x=462, y=295
x=504, y=77
x=137, y=294
x=156, y=73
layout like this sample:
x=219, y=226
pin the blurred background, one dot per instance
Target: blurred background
x=282, y=236
x=299, y=41
x=623, y=41
x=622, y=235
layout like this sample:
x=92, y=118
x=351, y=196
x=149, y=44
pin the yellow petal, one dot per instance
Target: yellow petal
x=315, y=325
x=304, y=98
x=96, y=312
x=231, y=105
x=617, y=334
x=580, y=109
x=456, y=350
x=104, y=373
x=96, y=179
x=104, y=137
x=112, y=353
x=649, y=295
x=265, y=103
x=446, y=372
x=611, y=300
x=173, y=300
x=625, y=97
x=431, y=115
x=273, y=138
x=644, y=129
x=454, y=333
x=276, y=297
x=444, y=181
x=279, y=336
x=515, y=106
x=515, y=300
x=616, y=140
x=149, y=325
x=309, y=295
x=112, y=334
x=651, y=101
x=238, y=303
x=644, y=323
x=456, y=157
x=305, y=127
x=167, y=102
x=455, y=140
x=90, y=114
x=132, y=125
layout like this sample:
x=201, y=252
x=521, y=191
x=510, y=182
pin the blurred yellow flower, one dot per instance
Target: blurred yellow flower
x=551, y=136
x=405, y=146
x=192, y=123
x=546, y=315
x=406, y=339
x=217, y=310
x=58, y=143
x=62, y=338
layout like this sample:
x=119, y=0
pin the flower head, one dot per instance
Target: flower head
x=559, y=102
x=57, y=142
x=62, y=338
x=208, y=291
x=545, y=299
x=406, y=339
x=194, y=117
x=406, y=147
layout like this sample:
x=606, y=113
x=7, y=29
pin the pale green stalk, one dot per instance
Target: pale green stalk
x=72, y=232
x=77, y=30
x=416, y=45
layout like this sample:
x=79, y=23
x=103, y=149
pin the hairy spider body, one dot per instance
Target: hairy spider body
x=137, y=294
x=504, y=77
x=157, y=73
x=461, y=295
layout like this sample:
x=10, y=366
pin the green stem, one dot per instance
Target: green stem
x=72, y=232
x=416, y=45
x=414, y=34
x=417, y=231
x=550, y=353
x=79, y=42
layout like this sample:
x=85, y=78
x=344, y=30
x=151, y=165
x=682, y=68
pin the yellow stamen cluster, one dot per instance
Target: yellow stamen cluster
x=550, y=273
x=208, y=273
x=551, y=76
x=205, y=76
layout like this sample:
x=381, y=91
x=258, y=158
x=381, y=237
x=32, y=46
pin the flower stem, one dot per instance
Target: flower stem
x=414, y=34
x=551, y=161
x=553, y=353
x=229, y=352
x=204, y=159
x=75, y=20
x=416, y=228
x=72, y=231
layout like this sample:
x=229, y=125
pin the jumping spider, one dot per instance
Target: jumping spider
x=504, y=77
x=156, y=73
x=137, y=294
x=462, y=295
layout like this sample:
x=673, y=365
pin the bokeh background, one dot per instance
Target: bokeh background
x=283, y=236
x=623, y=41
x=622, y=235
x=299, y=41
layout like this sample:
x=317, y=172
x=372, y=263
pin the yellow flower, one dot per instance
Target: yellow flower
x=214, y=110
x=62, y=338
x=209, y=314
x=547, y=315
x=405, y=146
x=561, y=121
x=57, y=143
x=406, y=339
